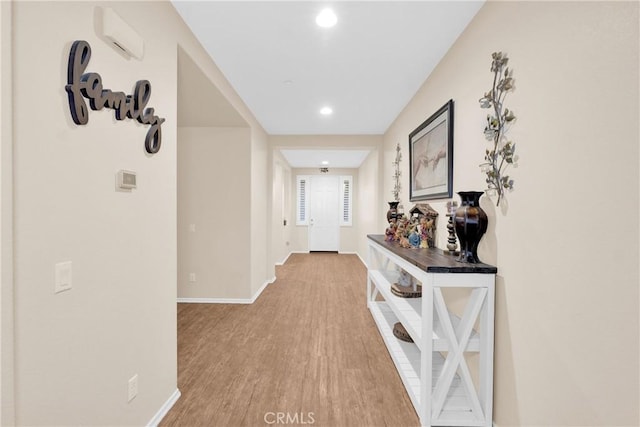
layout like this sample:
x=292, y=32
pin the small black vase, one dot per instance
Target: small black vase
x=471, y=224
x=392, y=213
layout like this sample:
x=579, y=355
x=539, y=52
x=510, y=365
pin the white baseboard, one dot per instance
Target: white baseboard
x=354, y=253
x=285, y=259
x=262, y=288
x=227, y=300
x=164, y=409
x=292, y=252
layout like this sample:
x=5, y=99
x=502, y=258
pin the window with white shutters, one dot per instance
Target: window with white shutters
x=346, y=200
x=302, y=202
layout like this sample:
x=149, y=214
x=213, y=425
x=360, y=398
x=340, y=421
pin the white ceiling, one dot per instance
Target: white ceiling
x=366, y=68
x=286, y=68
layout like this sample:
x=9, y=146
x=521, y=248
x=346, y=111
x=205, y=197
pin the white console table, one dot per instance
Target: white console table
x=434, y=368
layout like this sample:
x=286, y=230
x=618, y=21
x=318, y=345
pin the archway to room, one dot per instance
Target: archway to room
x=213, y=175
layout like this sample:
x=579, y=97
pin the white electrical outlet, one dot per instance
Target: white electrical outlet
x=192, y=277
x=63, y=277
x=133, y=387
x=192, y=228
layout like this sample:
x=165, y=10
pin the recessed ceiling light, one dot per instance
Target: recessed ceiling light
x=327, y=18
x=325, y=162
x=326, y=111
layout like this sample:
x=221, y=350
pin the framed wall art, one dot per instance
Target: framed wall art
x=431, y=157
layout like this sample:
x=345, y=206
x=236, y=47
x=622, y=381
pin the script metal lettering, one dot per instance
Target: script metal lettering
x=82, y=85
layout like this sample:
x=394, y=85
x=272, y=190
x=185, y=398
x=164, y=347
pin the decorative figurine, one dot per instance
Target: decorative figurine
x=400, y=229
x=425, y=215
x=452, y=245
x=414, y=239
x=417, y=231
x=404, y=243
x=390, y=232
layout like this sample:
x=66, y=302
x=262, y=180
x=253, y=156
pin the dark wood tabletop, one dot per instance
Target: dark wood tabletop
x=432, y=260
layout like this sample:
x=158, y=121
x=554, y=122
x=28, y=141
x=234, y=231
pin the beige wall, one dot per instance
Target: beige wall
x=566, y=348
x=213, y=179
x=7, y=414
x=262, y=267
x=75, y=351
x=370, y=205
x=281, y=203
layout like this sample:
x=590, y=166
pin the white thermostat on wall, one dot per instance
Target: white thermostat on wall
x=126, y=180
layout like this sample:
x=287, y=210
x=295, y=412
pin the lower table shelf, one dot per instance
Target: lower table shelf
x=409, y=312
x=406, y=357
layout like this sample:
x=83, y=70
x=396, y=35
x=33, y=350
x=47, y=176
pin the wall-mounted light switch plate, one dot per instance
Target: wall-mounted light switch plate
x=192, y=277
x=63, y=277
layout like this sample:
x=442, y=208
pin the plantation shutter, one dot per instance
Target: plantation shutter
x=346, y=201
x=302, y=202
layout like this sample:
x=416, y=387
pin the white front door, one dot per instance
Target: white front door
x=324, y=213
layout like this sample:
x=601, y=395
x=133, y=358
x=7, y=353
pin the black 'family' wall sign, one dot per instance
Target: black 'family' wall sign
x=89, y=85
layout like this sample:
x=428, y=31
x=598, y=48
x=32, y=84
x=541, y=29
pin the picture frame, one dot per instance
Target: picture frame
x=431, y=157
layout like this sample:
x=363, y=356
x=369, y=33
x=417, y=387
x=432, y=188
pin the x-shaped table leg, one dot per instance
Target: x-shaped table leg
x=458, y=340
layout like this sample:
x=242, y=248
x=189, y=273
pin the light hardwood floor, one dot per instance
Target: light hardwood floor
x=307, y=348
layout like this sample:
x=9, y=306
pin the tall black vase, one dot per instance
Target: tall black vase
x=471, y=224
